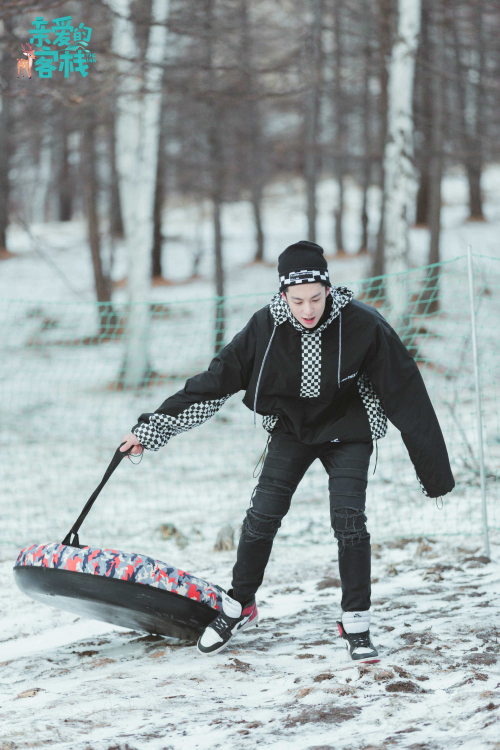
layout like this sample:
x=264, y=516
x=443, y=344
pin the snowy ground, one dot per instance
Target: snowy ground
x=83, y=685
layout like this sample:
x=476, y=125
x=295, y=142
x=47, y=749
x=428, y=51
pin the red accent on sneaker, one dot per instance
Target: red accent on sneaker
x=340, y=629
x=250, y=610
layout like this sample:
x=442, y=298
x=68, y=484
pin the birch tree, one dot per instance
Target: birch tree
x=383, y=30
x=366, y=124
x=137, y=134
x=398, y=153
x=216, y=164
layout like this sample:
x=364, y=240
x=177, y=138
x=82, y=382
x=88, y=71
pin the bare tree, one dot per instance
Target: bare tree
x=138, y=127
x=156, y=254
x=438, y=105
x=64, y=176
x=91, y=192
x=313, y=56
x=423, y=116
x=383, y=17
x=216, y=164
x=471, y=94
x=340, y=143
x=429, y=296
x=115, y=213
x=366, y=115
x=6, y=117
x=251, y=113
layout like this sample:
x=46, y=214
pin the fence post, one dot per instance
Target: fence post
x=478, y=404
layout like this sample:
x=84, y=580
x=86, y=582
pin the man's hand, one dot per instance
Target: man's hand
x=130, y=440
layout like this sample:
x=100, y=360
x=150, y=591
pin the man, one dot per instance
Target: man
x=325, y=371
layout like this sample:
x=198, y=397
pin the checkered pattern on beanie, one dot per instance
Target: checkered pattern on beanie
x=161, y=427
x=311, y=365
x=304, y=277
x=377, y=417
x=269, y=422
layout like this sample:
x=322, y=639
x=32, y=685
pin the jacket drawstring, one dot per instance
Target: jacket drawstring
x=261, y=459
x=258, y=379
x=376, y=454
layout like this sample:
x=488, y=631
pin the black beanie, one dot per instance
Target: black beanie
x=302, y=263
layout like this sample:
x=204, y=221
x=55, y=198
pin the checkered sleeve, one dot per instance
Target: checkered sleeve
x=159, y=428
x=400, y=387
x=203, y=394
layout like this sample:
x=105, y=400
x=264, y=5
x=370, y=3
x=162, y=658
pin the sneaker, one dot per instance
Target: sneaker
x=233, y=618
x=359, y=645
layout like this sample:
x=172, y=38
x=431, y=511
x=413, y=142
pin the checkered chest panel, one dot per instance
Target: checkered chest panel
x=162, y=427
x=310, y=382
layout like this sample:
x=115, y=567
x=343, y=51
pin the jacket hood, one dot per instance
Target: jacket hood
x=280, y=309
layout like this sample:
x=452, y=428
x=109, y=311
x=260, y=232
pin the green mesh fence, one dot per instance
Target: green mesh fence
x=65, y=409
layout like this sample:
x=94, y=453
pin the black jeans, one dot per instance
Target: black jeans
x=286, y=463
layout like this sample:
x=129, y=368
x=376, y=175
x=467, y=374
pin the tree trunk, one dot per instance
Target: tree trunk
x=470, y=101
x=257, y=215
x=398, y=168
x=314, y=58
x=107, y=319
x=376, y=290
x=138, y=128
x=424, y=109
x=219, y=277
x=115, y=212
x=254, y=134
x=475, y=166
x=366, y=114
x=90, y=189
x=5, y=137
x=64, y=185
x=216, y=173
x=422, y=208
x=340, y=128
x=160, y=189
x=430, y=293
x=156, y=267
x=338, y=214
x=39, y=210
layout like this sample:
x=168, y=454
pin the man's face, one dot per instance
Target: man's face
x=307, y=302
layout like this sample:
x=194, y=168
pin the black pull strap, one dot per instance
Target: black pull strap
x=115, y=461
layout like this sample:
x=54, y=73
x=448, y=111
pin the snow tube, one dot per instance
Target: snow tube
x=127, y=589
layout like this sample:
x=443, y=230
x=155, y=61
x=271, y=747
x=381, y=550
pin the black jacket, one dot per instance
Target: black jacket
x=338, y=382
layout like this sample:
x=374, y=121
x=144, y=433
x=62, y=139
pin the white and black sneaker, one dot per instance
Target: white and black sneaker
x=233, y=618
x=357, y=641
